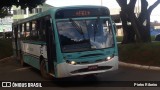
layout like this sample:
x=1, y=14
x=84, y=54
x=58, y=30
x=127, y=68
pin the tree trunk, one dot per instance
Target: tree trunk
x=128, y=31
x=124, y=25
x=139, y=30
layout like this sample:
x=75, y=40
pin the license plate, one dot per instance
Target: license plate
x=92, y=67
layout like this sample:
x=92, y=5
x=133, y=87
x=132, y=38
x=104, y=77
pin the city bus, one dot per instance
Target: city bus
x=67, y=41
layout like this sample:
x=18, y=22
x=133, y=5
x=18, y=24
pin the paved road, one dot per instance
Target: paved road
x=10, y=70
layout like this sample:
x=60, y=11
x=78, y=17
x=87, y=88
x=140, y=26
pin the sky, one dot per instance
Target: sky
x=155, y=16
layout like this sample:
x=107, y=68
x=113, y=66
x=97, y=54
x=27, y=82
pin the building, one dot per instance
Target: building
x=6, y=26
x=19, y=13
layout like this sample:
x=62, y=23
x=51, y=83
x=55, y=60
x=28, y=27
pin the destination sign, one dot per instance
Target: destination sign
x=81, y=12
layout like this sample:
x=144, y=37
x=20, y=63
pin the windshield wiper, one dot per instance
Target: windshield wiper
x=96, y=27
x=78, y=28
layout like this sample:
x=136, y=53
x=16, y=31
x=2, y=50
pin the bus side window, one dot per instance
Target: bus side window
x=13, y=33
x=16, y=32
x=34, y=31
x=42, y=33
x=27, y=32
x=38, y=27
x=19, y=31
x=22, y=31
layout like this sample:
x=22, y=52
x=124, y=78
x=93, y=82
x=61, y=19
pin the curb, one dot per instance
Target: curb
x=1, y=60
x=139, y=66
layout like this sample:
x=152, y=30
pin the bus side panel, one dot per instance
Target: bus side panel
x=31, y=54
x=26, y=58
x=32, y=60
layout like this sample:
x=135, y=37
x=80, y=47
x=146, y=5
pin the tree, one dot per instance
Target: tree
x=4, y=12
x=6, y=5
x=139, y=29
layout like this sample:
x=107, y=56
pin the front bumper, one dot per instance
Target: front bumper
x=67, y=70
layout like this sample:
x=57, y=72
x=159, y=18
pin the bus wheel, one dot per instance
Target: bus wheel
x=43, y=70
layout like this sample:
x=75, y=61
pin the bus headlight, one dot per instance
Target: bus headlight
x=110, y=57
x=71, y=62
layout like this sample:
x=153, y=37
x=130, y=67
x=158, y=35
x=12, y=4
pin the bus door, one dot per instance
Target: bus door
x=51, y=47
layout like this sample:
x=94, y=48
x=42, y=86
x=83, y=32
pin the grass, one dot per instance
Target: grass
x=140, y=53
x=120, y=38
x=5, y=48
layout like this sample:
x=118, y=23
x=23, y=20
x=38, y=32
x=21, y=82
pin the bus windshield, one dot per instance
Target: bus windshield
x=85, y=34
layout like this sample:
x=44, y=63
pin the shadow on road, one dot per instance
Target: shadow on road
x=78, y=81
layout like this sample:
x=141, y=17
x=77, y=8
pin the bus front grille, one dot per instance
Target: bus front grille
x=87, y=62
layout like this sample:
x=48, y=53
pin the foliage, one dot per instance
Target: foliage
x=3, y=12
x=6, y=5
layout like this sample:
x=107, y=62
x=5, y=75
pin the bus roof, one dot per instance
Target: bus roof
x=53, y=10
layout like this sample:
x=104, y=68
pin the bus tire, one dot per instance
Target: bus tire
x=43, y=70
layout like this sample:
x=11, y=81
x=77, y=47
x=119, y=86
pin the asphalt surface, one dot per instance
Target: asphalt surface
x=10, y=70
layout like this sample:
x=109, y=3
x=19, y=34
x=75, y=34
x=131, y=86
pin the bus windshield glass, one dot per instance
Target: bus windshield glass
x=85, y=34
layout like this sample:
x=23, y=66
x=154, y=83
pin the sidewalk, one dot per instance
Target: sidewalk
x=1, y=60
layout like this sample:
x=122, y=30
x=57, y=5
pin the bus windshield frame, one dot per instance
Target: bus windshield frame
x=85, y=34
